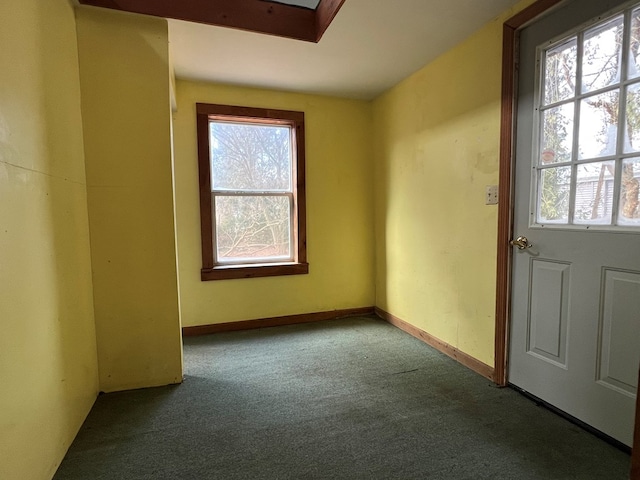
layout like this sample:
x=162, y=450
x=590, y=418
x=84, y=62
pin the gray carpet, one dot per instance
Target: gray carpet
x=347, y=399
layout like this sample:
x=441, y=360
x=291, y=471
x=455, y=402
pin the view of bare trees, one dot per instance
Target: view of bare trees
x=251, y=178
x=602, y=71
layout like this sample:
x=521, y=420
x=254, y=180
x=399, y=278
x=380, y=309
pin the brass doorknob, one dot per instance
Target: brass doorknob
x=521, y=242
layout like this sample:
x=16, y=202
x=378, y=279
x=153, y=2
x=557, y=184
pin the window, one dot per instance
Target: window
x=588, y=135
x=252, y=192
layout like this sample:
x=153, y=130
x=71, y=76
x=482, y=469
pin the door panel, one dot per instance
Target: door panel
x=619, y=327
x=575, y=332
x=549, y=310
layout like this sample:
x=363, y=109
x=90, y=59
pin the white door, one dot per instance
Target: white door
x=575, y=331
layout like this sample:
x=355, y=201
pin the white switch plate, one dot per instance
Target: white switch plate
x=491, y=195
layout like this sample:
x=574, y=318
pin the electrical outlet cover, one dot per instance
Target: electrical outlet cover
x=491, y=195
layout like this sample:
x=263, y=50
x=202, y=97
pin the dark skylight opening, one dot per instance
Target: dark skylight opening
x=312, y=4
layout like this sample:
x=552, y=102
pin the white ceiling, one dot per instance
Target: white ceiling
x=370, y=46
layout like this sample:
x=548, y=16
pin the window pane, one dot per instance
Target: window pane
x=632, y=132
x=250, y=157
x=560, y=72
x=553, y=197
x=634, y=57
x=557, y=134
x=629, y=211
x=602, y=55
x=599, y=125
x=594, y=193
x=252, y=228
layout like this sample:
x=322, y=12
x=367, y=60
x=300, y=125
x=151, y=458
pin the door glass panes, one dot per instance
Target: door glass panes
x=599, y=125
x=634, y=45
x=632, y=115
x=630, y=193
x=602, y=55
x=553, y=197
x=587, y=161
x=594, y=193
x=560, y=72
x=557, y=134
x=252, y=227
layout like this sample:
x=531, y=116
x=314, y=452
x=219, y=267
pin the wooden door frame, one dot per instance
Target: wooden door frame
x=510, y=39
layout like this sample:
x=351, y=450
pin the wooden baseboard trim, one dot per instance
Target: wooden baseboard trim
x=275, y=321
x=449, y=350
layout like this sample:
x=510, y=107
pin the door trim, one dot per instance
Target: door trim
x=511, y=32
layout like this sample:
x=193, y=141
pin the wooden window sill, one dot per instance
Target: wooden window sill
x=228, y=272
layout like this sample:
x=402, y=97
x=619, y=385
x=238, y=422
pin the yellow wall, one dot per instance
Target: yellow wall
x=124, y=76
x=436, y=142
x=48, y=367
x=339, y=212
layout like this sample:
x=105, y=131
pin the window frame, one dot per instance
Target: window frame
x=205, y=113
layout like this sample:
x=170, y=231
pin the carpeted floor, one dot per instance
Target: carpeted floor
x=347, y=399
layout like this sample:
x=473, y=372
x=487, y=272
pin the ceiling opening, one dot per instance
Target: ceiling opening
x=283, y=18
x=312, y=4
